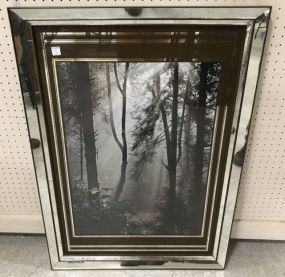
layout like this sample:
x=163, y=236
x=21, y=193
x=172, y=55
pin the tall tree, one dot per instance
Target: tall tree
x=172, y=156
x=81, y=154
x=165, y=105
x=81, y=79
x=201, y=120
x=122, y=145
x=187, y=132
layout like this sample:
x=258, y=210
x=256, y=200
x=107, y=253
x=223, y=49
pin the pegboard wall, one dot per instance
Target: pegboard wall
x=260, y=211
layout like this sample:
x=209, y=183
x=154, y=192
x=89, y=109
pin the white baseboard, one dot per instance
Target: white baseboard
x=242, y=229
x=21, y=224
x=263, y=230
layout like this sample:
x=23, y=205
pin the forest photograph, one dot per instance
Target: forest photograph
x=138, y=139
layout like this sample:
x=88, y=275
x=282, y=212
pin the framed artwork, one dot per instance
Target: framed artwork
x=139, y=119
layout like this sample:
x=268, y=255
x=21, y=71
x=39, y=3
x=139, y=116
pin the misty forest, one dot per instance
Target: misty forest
x=138, y=138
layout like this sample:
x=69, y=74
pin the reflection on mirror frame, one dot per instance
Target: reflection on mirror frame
x=26, y=67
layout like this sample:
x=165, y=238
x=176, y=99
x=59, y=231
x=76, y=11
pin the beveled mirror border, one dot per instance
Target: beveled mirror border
x=247, y=16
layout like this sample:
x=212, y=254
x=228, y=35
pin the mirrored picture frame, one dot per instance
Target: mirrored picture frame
x=44, y=39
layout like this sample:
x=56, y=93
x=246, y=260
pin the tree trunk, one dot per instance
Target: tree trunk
x=163, y=115
x=124, y=140
x=122, y=180
x=81, y=153
x=113, y=128
x=172, y=162
x=86, y=109
x=200, y=117
x=170, y=136
x=187, y=134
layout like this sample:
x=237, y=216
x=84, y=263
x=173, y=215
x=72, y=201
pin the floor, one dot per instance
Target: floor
x=27, y=256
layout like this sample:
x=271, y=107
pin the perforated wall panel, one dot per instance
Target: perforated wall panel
x=260, y=209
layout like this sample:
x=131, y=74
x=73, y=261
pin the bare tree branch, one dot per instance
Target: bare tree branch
x=111, y=109
x=124, y=91
x=125, y=146
x=117, y=78
x=182, y=122
x=165, y=165
x=165, y=124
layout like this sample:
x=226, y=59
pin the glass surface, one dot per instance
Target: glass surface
x=138, y=137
